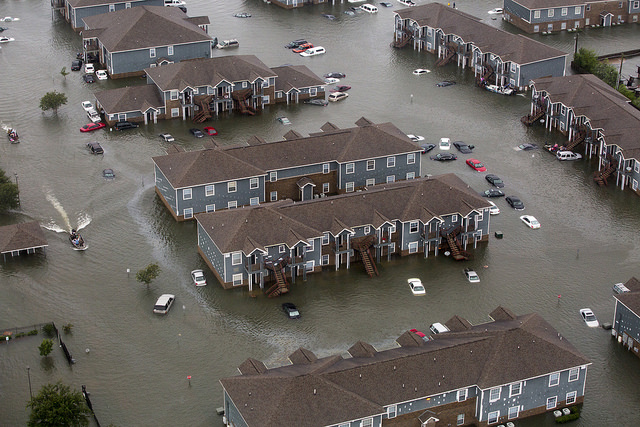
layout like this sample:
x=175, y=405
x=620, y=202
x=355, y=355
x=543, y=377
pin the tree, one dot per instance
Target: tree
x=46, y=347
x=148, y=274
x=9, y=194
x=52, y=101
x=586, y=60
x=58, y=405
x=64, y=72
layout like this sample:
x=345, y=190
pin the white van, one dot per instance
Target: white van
x=438, y=328
x=318, y=50
x=164, y=303
x=567, y=155
x=369, y=8
x=175, y=3
x=228, y=43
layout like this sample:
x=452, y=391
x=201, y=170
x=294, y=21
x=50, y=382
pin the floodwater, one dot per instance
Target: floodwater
x=135, y=363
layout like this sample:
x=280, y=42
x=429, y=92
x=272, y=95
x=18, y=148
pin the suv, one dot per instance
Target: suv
x=95, y=148
x=438, y=328
x=125, y=125
x=76, y=65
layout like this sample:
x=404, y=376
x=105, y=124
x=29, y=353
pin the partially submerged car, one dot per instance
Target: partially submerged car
x=471, y=275
x=494, y=180
x=530, y=221
x=589, y=318
x=443, y=157
x=291, y=310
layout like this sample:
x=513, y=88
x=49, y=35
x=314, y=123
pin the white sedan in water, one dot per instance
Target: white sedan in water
x=416, y=286
x=198, y=278
x=102, y=75
x=530, y=221
x=589, y=318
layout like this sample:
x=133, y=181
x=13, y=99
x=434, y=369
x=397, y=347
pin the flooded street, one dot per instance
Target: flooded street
x=135, y=363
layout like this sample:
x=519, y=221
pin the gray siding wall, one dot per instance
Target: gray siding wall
x=232, y=413
x=380, y=172
x=634, y=6
x=83, y=12
x=221, y=197
x=626, y=321
x=297, y=171
x=165, y=188
x=557, y=15
x=210, y=250
x=551, y=67
x=420, y=404
x=138, y=60
x=517, y=10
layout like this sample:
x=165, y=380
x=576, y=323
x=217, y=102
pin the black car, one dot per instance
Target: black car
x=442, y=157
x=88, y=78
x=125, y=125
x=494, y=180
x=76, y=65
x=291, y=310
x=427, y=147
x=527, y=147
x=294, y=44
x=317, y=101
x=463, y=147
x=445, y=83
x=515, y=203
x=335, y=75
x=95, y=147
x=196, y=132
x=3, y=28
x=492, y=192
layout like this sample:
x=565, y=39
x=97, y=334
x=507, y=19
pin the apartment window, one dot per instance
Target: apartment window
x=210, y=208
x=550, y=13
x=186, y=194
x=188, y=213
x=392, y=248
x=391, y=178
x=311, y=246
x=325, y=168
x=367, y=422
x=549, y=27
x=325, y=238
x=232, y=187
x=236, y=258
x=371, y=165
x=232, y=204
x=127, y=5
x=536, y=14
x=273, y=176
x=515, y=389
x=571, y=397
x=254, y=183
x=209, y=190
x=563, y=26
x=112, y=8
x=564, y=11
x=254, y=201
x=494, y=394
x=370, y=182
x=173, y=95
x=411, y=175
x=620, y=5
x=169, y=50
x=152, y=52
x=514, y=411
x=349, y=187
x=578, y=10
x=411, y=158
x=273, y=196
x=237, y=279
x=281, y=249
x=493, y=417
x=413, y=227
x=563, y=110
x=554, y=379
x=325, y=187
x=244, y=85
x=460, y=420
x=313, y=91
x=552, y=402
x=636, y=4
x=350, y=168
x=278, y=94
x=367, y=230
x=391, y=162
x=573, y=374
x=536, y=28
x=513, y=67
x=462, y=395
x=636, y=167
x=325, y=259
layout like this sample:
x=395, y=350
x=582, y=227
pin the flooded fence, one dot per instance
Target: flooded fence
x=49, y=330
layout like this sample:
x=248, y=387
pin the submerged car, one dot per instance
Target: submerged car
x=335, y=75
x=198, y=278
x=527, y=147
x=291, y=310
x=337, y=96
x=295, y=44
x=284, y=120
x=463, y=147
x=427, y=147
x=318, y=50
x=420, y=71
x=445, y=83
x=471, y=275
x=515, y=203
x=341, y=88
x=102, y=75
x=89, y=68
x=620, y=288
x=494, y=180
x=416, y=286
x=494, y=209
x=530, y=221
x=196, y=132
x=167, y=137
x=445, y=144
x=317, y=101
x=87, y=106
x=443, y=157
x=88, y=78
x=415, y=138
x=76, y=65
x=302, y=47
x=125, y=125
x=95, y=148
x=589, y=318
x=164, y=303
x=568, y=155
x=476, y=165
x=492, y=192
x=108, y=173
x=210, y=131
x=92, y=126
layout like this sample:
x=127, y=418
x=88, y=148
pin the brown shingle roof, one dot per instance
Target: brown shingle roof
x=25, y=235
x=144, y=27
x=631, y=299
x=126, y=99
x=295, y=77
x=510, y=47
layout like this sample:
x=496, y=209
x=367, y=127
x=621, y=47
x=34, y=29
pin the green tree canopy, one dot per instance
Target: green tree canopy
x=586, y=60
x=9, y=194
x=148, y=274
x=52, y=101
x=58, y=405
x=46, y=347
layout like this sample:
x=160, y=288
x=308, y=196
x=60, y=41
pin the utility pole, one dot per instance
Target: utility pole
x=29, y=375
x=15, y=174
x=619, y=72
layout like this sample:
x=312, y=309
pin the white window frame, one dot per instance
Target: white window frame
x=578, y=9
x=175, y=112
x=536, y=14
x=232, y=204
x=371, y=164
x=391, y=411
x=636, y=166
x=254, y=201
x=266, y=99
x=237, y=279
x=414, y=227
x=188, y=213
x=510, y=412
x=325, y=259
x=493, y=417
x=310, y=265
x=391, y=178
x=573, y=396
x=564, y=11
x=169, y=50
x=391, y=161
x=313, y=91
x=636, y=4
x=244, y=85
x=273, y=176
x=173, y=95
x=311, y=246
x=367, y=230
x=152, y=52
x=513, y=67
x=349, y=187
x=554, y=379
x=550, y=13
x=462, y=395
x=536, y=28
x=492, y=397
x=350, y=168
x=367, y=422
x=411, y=175
x=232, y=186
x=265, y=83
x=236, y=258
x=112, y=8
x=411, y=158
x=370, y=182
x=127, y=5
x=209, y=190
x=572, y=372
x=326, y=168
x=513, y=386
x=325, y=238
x=460, y=419
x=325, y=187
x=273, y=196
x=552, y=402
x=254, y=183
x=282, y=249
x=210, y=208
x=187, y=193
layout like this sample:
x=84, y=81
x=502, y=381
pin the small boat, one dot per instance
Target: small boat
x=77, y=241
x=502, y=90
x=13, y=136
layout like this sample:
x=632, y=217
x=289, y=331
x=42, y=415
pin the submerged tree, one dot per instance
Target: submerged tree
x=46, y=347
x=52, y=101
x=64, y=72
x=58, y=405
x=9, y=194
x=148, y=274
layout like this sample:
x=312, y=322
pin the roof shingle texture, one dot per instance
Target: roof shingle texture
x=21, y=236
x=631, y=299
x=126, y=99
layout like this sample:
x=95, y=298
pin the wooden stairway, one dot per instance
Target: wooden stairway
x=402, y=42
x=280, y=287
x=452, y=49
x=457, y=252
x=577, y=140
x=531, y=119
x=484, y=79
x=600, y=177
x=363, y=246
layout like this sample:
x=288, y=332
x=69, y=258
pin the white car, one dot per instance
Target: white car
x=530, y=220
x=87, y=106
x=496, y=11
x=164, y=303
x=318, y=50
x=167, y=137
x=89, y=68
x=568, y=155
x=6, y=39
x=337, y=96
x=198, y=278
x=331, y=80
x=420, y=71
x=93, y=116
x=415, y=138
x=445, y=144
x=589, y=318
x=102, y=75
x=471, y=275
x=175, y=3
x=494, y=209
x=416, y=286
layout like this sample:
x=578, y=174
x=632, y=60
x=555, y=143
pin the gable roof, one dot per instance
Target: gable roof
x=143, y=27
x=133, y=98
x=21, y=236
x=403, y=200
x=510, y=47
x=209, y=72
x=296, y=77
x=339, y=389
x=631, y=299
x=225, y=164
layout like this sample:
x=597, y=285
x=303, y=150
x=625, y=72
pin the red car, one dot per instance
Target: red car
x=475, y=164
x=92, y=126
x=303, y=47
x=341, y=88
x=210, y=131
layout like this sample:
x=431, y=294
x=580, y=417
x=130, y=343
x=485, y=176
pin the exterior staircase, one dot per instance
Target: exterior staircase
x=241, y=104
x=282, y=285
x=363, y=246
x=600, y=177
x=402, y=42
x=580, y=137
x=452, y=50
x=456, y=250
x=531, y=119
x=484, y=78
x=205, y=113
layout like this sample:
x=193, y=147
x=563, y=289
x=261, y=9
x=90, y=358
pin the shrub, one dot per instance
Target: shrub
x=49, y=330
x=67, y=328
x=32, y=332
x=46, y=347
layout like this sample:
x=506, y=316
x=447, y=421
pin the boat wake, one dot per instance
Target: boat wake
x=83, y=218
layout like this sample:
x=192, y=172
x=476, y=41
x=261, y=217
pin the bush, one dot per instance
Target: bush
x=67, y=328
x=574, y=415
x=49, y=330
x=46, y=347
x=32, y=332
